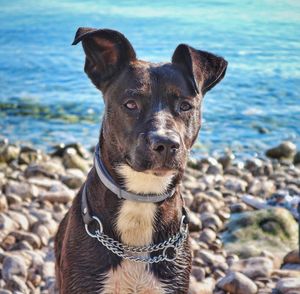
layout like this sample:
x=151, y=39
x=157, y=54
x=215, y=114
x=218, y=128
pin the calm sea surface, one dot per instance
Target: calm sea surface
x=45, y=97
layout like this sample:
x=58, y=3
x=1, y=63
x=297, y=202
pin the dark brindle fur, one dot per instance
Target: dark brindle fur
x=152, y=118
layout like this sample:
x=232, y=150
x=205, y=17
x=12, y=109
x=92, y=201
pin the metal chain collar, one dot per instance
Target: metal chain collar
x=174, y=243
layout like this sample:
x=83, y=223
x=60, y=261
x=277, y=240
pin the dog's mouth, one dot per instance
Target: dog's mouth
x=163, y=169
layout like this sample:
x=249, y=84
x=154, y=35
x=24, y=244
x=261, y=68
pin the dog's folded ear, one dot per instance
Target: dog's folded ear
x=107, y=53
x=204, y=69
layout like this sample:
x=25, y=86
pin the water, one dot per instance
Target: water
x=45, y=97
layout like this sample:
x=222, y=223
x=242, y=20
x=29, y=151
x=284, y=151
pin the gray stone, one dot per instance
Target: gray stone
x=6, y=223
x=43, y=233
x=49, y=169
x=9, y=153
x=29, y=155
x=210, y=220
x=235, y=184
x=198, y=272
x=292, y=257
x=57, y=196
x=273, y=229
x=226, y=159
x=22, y=189
x=19, y=218
x=254, y=267
x=74, y=178
x=287, y=285
x=208, y=235
x=195, y=222
x=17, y=285
x=286, y=149
x=31, y=238
x=13, y=265
x=237, y=283
x=261, y=187
x=72, y=160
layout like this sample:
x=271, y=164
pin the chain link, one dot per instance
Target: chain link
x=128, y=252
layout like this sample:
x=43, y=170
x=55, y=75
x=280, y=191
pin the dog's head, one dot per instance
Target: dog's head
x=152, y=111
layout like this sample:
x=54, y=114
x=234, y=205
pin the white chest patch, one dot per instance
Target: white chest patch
x=135, y=224
x=132, y=278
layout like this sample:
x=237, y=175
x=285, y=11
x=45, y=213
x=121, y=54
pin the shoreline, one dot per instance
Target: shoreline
x=233, y=243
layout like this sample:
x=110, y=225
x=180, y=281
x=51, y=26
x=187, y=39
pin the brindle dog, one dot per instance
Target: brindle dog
x=152, y=118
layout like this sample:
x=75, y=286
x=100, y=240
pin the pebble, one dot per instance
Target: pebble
x=254, y=267
x=13, y=265
x=237, y=283
x=286, y=149
x=288, y=285
x=292, y=257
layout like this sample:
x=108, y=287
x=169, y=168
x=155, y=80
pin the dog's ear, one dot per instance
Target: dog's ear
x=204, y=69
x=107, y=53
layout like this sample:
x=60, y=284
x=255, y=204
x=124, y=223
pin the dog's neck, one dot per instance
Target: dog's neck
x=135, y=220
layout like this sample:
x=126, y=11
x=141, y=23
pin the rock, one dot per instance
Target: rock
x=9, y=153
x=281, y=273
x=57, y=196
x=235, y=184
x=288, y=285
x=74, y=178
x=72, y=160
x=13, y=199
x=43, y=233
x=29, y=155
x=198, y=272
x=22, y=189
x=238, y=207
x=226, y=159
x=237, y=283
x=80, y=150
x=17, y=285
x=286, y=149
x=254, y=267
x=297, y=158
x=3, y=202
x=6, y=223
x=261, y=187
x=50, y=169
x=207, y=236
x=204, y=287
x=195, y=222
x=273, y=229
x=4, y=291
x=292, y=257
x=215, y=169
x=20, y=219
x=212, y=221
x=254, y=165
x=8, y=242
x=13, y=265
x=291, y=266
x=32, y=239
x=188, y=198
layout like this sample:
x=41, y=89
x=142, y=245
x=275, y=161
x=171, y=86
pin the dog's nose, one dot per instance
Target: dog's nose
x=164, y=144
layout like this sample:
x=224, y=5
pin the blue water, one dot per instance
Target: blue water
x=45, y=97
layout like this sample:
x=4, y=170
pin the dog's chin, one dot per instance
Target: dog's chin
x=153, y=169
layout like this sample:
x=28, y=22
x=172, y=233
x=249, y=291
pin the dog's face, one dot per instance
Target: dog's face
x=153, y=111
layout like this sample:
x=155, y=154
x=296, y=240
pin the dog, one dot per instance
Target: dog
x=126, y=231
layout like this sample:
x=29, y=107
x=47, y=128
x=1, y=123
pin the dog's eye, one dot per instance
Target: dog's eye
x=131, y=105
x=185, y=106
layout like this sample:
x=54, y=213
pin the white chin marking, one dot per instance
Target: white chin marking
x=142, y=182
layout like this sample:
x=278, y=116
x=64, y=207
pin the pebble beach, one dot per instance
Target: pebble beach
x=237, y=247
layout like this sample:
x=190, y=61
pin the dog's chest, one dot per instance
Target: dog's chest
x=135, y=224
